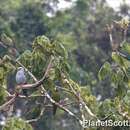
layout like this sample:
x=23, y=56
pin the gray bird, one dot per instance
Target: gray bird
x=21, y=78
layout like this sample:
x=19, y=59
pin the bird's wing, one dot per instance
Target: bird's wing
x=20, y=77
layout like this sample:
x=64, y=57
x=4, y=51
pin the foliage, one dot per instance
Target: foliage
x=16, y=124
x=118, y=71
x=81, y=30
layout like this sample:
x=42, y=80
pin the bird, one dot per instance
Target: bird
x=21, y=79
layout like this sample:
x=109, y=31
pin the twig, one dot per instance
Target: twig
x=63, y=108
x=124, y=114
x=64, y=89
x=8, y=103
x=6, y=91
x=67, y=104
x=22, y=96
x=125, y=33
x=3, y=45
x=42, y=111
x=81, y=100
x=109, y=29
x=36, y=119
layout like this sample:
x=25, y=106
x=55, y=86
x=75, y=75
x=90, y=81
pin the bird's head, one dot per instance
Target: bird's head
x=20, y=69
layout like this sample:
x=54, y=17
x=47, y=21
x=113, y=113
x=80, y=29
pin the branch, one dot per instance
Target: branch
x=38, y=118
x=2, y=44
x=22, y=96
x=125, y=36
x=109, y=29
x=63, y=108
x=124, y=114
x=64, y=89
x=67, y=104
x=80, y=99
x=42, y=111
x=2, y=107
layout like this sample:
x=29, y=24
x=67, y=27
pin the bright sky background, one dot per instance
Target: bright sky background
x=116, y=3
x=113, y=3
x=64, y=4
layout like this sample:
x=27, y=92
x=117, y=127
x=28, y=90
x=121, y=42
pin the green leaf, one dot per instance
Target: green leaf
x=128, y=72
x=117, y=76
x=60, y=50
x=85, y=91
x=120, y=75
x=52, y=74
x=128, y=93
x=126, y=99
x=121, y=90
x=3, y=94
x=117, y=58
x=15, y=123
x=1, y=73
x=68, y=40
x=42, y=43
x=114, y=78
x=120, y=60
x=6, y=40
x=105, y=108
x=104, y=71
x=126, y=47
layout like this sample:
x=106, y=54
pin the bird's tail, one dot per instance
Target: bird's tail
x=54, y=109
x=25, y=92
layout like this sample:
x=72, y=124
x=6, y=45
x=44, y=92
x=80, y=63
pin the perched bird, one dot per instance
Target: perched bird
x=21, y=78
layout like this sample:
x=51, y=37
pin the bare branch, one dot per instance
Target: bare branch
x=67, y=104
x=125, y=36
x=80, y=99
x=22, y=96
x=124, y=114
x=109, y=29
x=64, y=89
x=63, y=108
x=36, y=119
x=6, y=104
x=2, y=44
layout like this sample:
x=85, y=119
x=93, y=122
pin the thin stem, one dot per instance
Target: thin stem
x=38, y=118
x=12, y=100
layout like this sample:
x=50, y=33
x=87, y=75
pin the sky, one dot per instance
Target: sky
x=64, y=4
x=113, y=3
x=116, y=3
